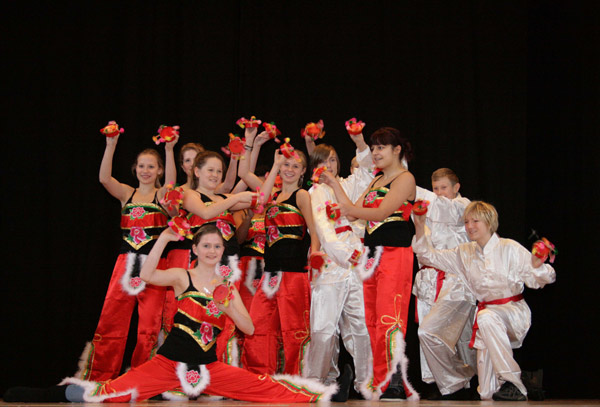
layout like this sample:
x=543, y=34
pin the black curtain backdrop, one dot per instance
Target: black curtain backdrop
x=505, y=93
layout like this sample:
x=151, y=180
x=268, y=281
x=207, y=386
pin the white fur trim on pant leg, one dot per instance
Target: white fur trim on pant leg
x=304, y=363
x=399, y=357
x=233, y=351
x=90, y=387
x=269, y=290
x=174, y=395
x=368, y=265
x=367, y=392
x=251, y=275
x=182, y=369
x=234, y=264
x=126, y=279
x=82, y=364
x=311, y=385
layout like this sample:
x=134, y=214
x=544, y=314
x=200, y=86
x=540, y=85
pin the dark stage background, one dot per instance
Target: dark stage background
x=505, y=93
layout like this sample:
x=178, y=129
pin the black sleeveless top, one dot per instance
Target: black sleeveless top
x=397, y=230
x=287, y=238
x=196, y=326
x=141, y=224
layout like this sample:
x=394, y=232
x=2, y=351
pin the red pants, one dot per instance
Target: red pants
x=387, y=297
x=231, y=341
x=284, y=318
x=106, y=353
x=159, y=375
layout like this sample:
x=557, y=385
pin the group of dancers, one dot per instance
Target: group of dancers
x=251, y=300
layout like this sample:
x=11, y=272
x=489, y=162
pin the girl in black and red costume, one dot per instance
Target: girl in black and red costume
x=188, y=357
x=280, y=308
x=142, y=220
x=386, y=206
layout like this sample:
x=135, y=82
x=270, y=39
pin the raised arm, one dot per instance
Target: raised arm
x=170, y=165
x=227, y=185
x=120, y=191
x=305, y=207
x=259, y=140
x=174, y=277
x=310, y=144
x=243, y=220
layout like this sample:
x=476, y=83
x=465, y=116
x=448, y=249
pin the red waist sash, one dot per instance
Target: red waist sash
x=481, y=305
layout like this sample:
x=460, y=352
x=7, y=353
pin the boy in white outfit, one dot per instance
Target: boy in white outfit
x=337, y=302
x=495, y=270
x=445, y=306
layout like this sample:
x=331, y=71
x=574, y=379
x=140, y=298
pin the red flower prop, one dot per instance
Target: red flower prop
x=543, y=248
x=135, y=282
x=235, y=147
x=354, y=127
x=288, y=151
x=180, y=225
x=420, y=207
x=222, y=294
x=258, y=202
x=245, y=123
x=173, y=198
x=272, y=131
x=166, y=134
x=333, y=211
x=111, y=129
x=314, y=130
x=316, y=175
x=355, y=257
x=317, y=260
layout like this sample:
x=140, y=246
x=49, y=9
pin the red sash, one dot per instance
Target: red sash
x=482, y=305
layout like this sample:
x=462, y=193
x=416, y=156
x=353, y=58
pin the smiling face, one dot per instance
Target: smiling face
x=385, y=156
x=477, y=230
x=210, y=174
x=209, y=249
x=147, y=169
x=444, y=187
x=291, y=171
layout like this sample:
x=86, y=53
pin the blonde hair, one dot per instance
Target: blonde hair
x=445, y=173
x=483, y=211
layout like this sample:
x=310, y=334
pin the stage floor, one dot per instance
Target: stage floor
x=351, y=403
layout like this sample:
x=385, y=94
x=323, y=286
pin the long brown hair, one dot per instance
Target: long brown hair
x=201, y=159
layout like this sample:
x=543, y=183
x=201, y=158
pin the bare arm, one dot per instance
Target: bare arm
x=227, y=185
x=120, y=191
x=238, y=313
x=401, y=189
x=173, y=277
x=303, y=199
x=310, y=144
x=193, y=203
x=243, y=220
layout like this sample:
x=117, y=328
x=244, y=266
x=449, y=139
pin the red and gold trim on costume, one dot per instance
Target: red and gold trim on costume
x=374, y=198
x=142, y=223
x=284, y=221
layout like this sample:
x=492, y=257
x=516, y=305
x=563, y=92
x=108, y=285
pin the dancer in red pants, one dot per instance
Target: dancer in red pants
x=188, y=358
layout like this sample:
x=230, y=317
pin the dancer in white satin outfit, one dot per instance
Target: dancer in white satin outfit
x=445, y=306
x=495, y=270
x=337, y=302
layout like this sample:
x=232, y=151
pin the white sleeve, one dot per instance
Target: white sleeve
x=355, y=184
x=448, y=260
x=339, y=251
x=531, y=276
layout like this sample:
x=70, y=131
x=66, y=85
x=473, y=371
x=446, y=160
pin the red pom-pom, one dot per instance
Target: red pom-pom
x=333, y=211
x=354, y=127
x=221, y=293
x=111, y=129
x=317, y=260
x=420, y=207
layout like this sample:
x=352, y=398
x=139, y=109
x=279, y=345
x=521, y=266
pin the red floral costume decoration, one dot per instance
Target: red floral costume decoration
x=280, y=309
x=251, y=265
x=387, y=274
x=141, y=223
x=188, y=360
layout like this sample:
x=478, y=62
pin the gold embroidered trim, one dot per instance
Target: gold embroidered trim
x=190, y=332
x=285, y=237
x=387, y=220
x=138, y=246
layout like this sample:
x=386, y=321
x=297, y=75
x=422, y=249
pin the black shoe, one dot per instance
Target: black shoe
x=344, y=382
x=36, y=394
x=394, y=393
x=509, y=392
